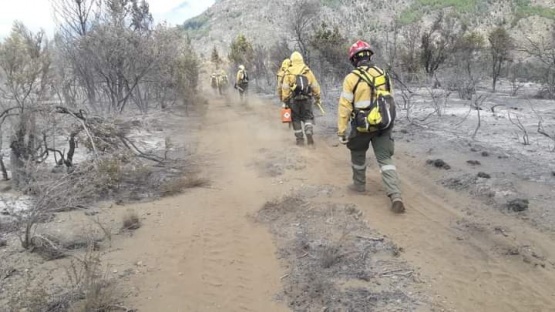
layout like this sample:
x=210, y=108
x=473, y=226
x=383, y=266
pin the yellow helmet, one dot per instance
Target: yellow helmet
x=296, y=57
x=286, y=63
x=241, y=67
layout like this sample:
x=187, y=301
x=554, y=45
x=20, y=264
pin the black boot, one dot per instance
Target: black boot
x=309, y=139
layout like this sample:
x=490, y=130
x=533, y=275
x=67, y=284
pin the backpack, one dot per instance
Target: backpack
x=302, y=87
x=381, y=113
x=245, y=78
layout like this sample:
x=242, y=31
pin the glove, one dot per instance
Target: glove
x=343, y=140
x=283, y=105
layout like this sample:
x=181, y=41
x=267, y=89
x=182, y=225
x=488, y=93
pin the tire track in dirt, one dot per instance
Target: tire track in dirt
x=467, y=268
x=227, y=263
x=224, y=262
x=466, y=272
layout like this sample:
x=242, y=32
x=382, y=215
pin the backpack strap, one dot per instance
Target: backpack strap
x=363, y=75
x=355, y=91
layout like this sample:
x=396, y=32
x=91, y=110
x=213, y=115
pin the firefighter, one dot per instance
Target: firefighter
x=242, y=82
x=300, y=90
x=280, y=75
x=357, y=98
x=223, y=82
x=214, y=82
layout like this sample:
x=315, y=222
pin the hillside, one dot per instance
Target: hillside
x=265, y=22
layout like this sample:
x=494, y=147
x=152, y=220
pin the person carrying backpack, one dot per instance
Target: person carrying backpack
x=214, y=82
x=242, y=81
x=300, y=90
x=223, y=82
x=367, y=103
x=280, y=75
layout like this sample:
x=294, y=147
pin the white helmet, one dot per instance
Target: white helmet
x=241, y=67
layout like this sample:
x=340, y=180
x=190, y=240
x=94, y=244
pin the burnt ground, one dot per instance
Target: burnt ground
x=496, y=166
x=335, y=261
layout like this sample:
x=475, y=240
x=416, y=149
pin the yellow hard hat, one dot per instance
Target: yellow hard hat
x=241, y=67
x=296, y=57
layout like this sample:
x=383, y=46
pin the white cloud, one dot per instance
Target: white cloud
x=178, y=11
x=37, y=14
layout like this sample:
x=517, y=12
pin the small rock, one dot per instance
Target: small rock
x=485, y=154
x=3, y=242
x=483, y=175
x=91, y=213
x=438, y=163
x=140, y=263
x=473, y=150
x=518, y=205
x=474, y=162
x=115, y=271
x=513, y=251
x=404, y=131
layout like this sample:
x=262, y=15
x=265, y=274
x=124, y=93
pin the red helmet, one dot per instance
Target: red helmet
x=359, y=46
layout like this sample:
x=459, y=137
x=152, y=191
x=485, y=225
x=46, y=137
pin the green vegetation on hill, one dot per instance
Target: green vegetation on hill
x=521, y=9
x=196, y=22
x=334, y=4
x=198, y=26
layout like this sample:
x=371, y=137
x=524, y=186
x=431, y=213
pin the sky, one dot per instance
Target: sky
x=37, y=14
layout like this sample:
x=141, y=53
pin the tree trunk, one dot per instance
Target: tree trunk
x=16, y=165
x=3, y=168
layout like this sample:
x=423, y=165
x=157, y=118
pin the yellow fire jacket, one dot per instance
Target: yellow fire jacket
x=241, y=74
x=298, y=67
x=280, y=74
x=351, y=99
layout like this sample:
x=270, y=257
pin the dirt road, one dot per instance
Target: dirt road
x=202, y=251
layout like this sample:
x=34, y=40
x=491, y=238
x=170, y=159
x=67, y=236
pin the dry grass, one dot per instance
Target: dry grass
x=178, y=186
x=131, y=220
x=87, y=289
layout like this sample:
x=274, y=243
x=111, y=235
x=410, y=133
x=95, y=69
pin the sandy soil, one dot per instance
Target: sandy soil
x=204, y=253
x=208, y=250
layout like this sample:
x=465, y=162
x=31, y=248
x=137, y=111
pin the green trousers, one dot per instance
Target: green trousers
x=384, y=147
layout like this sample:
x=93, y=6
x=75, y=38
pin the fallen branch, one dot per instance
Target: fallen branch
x=374, y=239
x=399, y=272
x=80, y=116
x=130, y=145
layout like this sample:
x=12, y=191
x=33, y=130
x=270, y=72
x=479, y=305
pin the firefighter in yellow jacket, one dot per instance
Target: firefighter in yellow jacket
x=355, y=101
x=280, y=74
x=300, y=90
x=242, y=82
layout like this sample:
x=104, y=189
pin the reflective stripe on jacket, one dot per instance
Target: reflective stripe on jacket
x=359, y=98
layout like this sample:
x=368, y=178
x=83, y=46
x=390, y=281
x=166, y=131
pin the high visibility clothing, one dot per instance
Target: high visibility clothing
x=241, y=77
x=280, y=74
x=351, y=99
x=298, y=67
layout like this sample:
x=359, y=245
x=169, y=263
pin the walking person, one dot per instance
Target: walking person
x=367, y=104
x=301, y=90
x=242, y=82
